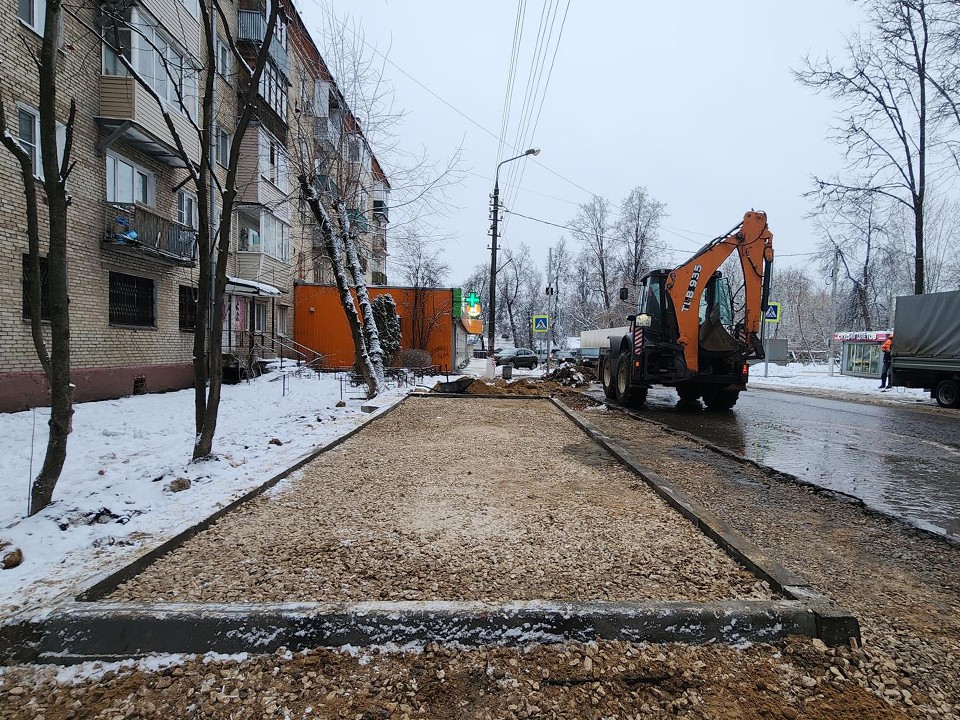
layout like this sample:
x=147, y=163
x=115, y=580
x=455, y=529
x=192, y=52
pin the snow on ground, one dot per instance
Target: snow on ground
x=113, y=498
x=113, y=501
x=799, y=377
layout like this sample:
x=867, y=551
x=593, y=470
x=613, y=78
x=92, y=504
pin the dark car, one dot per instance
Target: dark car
x=561, y=356
x=517, y=357
x=589, y=356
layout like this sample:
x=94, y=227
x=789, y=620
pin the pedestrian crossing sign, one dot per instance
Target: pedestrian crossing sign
x=772, y=313
x=541, y=323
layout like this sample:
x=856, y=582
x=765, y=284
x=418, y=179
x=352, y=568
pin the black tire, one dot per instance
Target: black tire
x=721, y=399
x=608, y=373
x=627, y=395
x=534, y=366
x=689, y=393
x=947, y=394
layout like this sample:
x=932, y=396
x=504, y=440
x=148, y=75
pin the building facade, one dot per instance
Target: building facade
x=132, y=251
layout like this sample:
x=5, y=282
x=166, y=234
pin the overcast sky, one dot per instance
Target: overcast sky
x=694, y=100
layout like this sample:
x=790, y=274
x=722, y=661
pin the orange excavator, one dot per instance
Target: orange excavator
x=684, y=333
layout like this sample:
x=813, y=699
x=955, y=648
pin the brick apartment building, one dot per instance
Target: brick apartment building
x=132, y=239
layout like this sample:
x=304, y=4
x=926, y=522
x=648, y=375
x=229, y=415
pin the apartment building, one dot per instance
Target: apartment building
x=133, y=218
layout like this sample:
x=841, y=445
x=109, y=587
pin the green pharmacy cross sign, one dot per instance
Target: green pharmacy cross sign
x=472, y=298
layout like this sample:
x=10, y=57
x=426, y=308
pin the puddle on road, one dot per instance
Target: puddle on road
x=900, y=462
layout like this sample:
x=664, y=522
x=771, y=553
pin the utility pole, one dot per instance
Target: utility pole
x=495, y=217
x=833, y=306
x=492, y=307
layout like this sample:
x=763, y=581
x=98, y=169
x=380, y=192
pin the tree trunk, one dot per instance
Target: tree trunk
x=918, y=262
x=371, y=334
x=55, y=174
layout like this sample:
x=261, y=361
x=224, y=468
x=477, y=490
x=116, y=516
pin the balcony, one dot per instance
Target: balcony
x=358, y=219
x=379, y=278
x=253, y=28
x=380, y=208
x=130, y=114
x=379, y=245
x=134, y=230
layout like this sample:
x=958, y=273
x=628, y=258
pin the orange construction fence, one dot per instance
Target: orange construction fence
x=320, y=324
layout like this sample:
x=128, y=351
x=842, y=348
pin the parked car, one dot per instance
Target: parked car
x=589, y=356
x=561, y=356
x=517, y=357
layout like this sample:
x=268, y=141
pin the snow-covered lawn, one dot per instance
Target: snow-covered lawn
x=112, y=500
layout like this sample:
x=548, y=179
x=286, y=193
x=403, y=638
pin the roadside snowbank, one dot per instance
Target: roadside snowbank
x=796, y=376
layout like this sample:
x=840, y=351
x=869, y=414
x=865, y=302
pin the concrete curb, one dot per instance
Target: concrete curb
x=121, y=630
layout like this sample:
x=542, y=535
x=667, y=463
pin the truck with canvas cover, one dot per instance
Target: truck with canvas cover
x=684, y=333
x=926, y=345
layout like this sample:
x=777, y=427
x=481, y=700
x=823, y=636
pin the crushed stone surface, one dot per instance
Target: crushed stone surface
x=450, y=499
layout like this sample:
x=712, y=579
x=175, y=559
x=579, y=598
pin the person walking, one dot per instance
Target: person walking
x=886, y=379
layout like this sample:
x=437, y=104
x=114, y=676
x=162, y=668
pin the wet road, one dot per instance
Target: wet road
x=900, y=460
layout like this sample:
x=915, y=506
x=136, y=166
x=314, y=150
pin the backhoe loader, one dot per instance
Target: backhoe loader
x=684, y=333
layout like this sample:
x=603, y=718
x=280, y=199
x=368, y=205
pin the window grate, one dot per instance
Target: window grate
x=132, y=300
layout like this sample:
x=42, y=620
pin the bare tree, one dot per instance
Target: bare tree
x=858, y=232
x=511, y=280
x=638, y=228
x=51, y=176
x=421, y=267
x=592, y=228
x=558, y=271
x=213, y=247
x=894, y=88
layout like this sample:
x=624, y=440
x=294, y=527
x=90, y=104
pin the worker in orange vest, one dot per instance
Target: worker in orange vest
x=885, y=372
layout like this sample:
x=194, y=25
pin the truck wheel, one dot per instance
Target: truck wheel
x=608, y=377
x=688, y=392
x=948, y=394
x=721, y=399
x=627, y=395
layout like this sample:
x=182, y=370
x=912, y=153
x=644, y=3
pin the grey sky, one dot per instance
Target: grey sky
x=694, y=100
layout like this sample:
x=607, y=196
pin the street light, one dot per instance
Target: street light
x=492, y=308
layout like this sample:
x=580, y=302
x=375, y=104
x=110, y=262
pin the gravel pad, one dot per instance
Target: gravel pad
x=453, y=499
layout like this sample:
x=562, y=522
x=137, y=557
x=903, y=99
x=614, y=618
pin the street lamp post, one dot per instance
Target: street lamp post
x=492, y=308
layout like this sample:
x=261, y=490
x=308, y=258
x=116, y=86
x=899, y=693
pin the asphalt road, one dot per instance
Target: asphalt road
x=901, y=460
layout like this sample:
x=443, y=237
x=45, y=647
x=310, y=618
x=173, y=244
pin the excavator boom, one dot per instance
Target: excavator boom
x=753, y=241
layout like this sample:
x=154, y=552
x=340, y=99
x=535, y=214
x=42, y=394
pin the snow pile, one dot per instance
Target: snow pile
x=817, y=378
x=125, y=460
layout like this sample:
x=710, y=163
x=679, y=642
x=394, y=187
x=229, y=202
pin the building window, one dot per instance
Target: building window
x=186, y=209
x=28, y=130
x=127, y=183
x=132, y=300
x=188, y=307
x=224, y=58
x=28, y=286
x=249, y=239
x=282, y=316
x=170, y=72
x=33, y=13
x=273, y=89
x=30, y=134
x=259, y=317
x=223, y=146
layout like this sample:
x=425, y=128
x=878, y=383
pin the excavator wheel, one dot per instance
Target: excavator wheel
x=608, y=376
x=721, y=399
x=626, y=395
